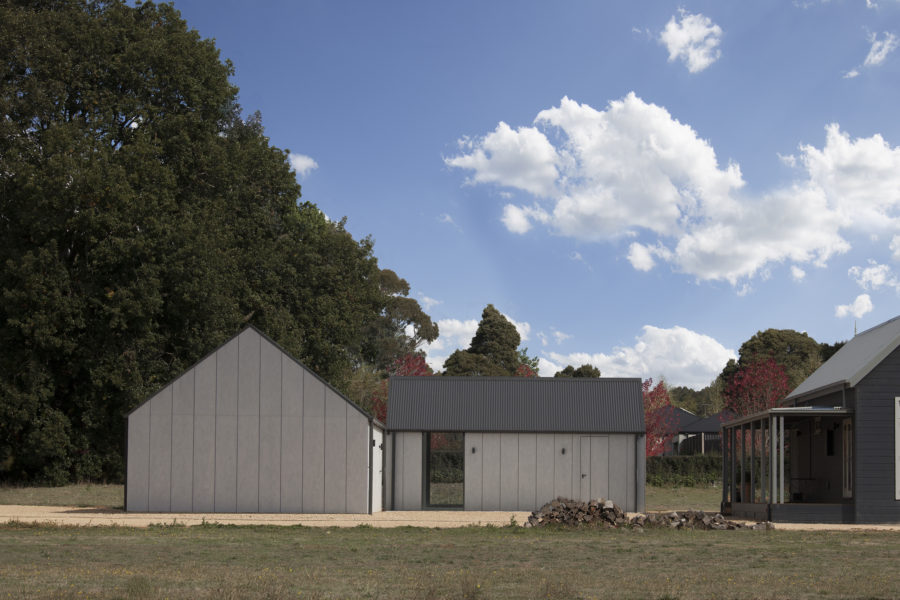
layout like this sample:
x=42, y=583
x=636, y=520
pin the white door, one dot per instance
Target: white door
x=594, y=468
x=847, y=444
x=377, y=470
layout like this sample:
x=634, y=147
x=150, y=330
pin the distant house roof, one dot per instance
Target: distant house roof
x=678, y=417
x=853, y=361
x=522, y=404
x=710, y=424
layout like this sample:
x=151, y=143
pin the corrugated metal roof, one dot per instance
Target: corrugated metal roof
x=710, y=424
x=854, y=360
x=678, y=417
x=542, y=404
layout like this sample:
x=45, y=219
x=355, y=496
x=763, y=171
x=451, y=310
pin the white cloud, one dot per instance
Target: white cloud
x=522, y=327
x=797, y=274
x=521, y=158
x=878, y=52
x=559, y=336
x=454, y=334
x=547, y=368
x=543, y=337
x=576, y=256
x=857, y=308
x=302, y=164
x=874, y=276
x=895, y=247
x=634, y=171
x=641, y=257
x=683, y=356
x=427, y=302
x=880, y=48
x=787, y=159
x=694, y=39
x=446, y=218
x=517, y=219
x=457, y=334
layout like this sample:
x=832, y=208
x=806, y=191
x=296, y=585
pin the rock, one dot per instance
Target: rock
x=606, y=514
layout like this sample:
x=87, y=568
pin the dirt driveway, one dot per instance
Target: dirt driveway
x=69, y=515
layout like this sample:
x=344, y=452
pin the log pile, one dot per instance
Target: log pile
x=606, y=514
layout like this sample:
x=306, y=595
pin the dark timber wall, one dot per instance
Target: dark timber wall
x=874, y=452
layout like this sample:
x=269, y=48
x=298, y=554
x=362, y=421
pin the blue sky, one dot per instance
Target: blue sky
x=638, y=185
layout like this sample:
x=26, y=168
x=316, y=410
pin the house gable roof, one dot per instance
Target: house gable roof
x=853, y=361
x=710, y=424
x=516, y=404
x=678, y=417
x=264, y=338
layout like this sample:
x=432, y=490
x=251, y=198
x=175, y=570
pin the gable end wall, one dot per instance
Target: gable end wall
x=248, y=429
x=874, y=459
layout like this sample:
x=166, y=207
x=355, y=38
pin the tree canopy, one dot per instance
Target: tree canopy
x=143, y=221
x=756, y=387
x=584, y=370
x=797, y=353
x=494, y=350
x=659, y=420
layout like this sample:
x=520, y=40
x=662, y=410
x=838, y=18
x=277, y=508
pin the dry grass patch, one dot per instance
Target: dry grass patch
x=81, y=495
x=705, y=498
x=472, y=562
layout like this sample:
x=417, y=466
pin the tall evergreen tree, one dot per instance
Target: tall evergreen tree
x=142, y=222
x=492, y=352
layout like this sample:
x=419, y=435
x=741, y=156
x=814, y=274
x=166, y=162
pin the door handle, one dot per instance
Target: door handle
x=583, y=475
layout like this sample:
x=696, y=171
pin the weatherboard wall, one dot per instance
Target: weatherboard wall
x=875, y=458
x=408, y=456
x=522, y=471
x=248, y=429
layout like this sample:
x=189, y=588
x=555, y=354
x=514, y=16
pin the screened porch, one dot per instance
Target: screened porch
x=789, y=464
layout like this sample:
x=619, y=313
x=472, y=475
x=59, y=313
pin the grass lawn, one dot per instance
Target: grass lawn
x=82, y=494
x=111, y=496
x=474, y=562
x=683, y=498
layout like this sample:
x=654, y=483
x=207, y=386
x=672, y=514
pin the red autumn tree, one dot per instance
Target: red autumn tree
x=408, y=365
x=658, y=417
x=525, y=371
x=413, y=365
x=756, y=387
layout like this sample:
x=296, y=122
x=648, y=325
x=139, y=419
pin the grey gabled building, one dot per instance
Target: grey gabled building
x=831, y=451
x=512, y=443
x=249, y=429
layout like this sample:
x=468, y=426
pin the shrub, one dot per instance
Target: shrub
x=687, y=471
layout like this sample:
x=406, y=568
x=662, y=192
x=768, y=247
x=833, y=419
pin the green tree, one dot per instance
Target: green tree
x=797, y=353
x=387, y=338
x=143, y=221
x=827, y=350
x=493, y=351
x=584, y=370
x=703, y=403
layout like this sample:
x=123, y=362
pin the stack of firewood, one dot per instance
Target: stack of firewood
x=606, y=514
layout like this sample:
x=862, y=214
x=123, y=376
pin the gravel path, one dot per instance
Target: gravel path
x=70, y=515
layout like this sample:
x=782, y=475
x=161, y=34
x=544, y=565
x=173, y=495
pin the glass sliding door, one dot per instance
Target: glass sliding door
x=444, y=470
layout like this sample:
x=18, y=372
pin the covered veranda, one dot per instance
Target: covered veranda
x=789, y=464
